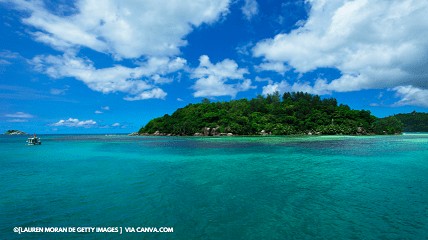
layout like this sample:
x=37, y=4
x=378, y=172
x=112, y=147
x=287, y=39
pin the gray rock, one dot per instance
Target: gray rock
x=263, y=133
x=206, y=131
x=215, y=131
x=361, y=131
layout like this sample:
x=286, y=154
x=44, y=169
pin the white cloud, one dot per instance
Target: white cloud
x=98, y=112
x=113, y=79
x=280, y=87
x=17, y=120
x=4, y=62
x=214, y=79
x=161, y=80
x=59, y=91
x=259, y=79
x=319, y=87
x=278, y=67
x=411, y=96
x=7, y=56
x=375, y=44
x=153, y=93
x=74, y=122
x=19, y=115
x=107, y=108
x=152, y=30
x=250, y=9
x=123, y=28
x=116, y=125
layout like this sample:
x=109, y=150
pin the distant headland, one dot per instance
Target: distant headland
x=293, y=113
x=15, y=132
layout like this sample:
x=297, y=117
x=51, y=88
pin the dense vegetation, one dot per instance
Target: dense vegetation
x=293, y=113
x=414, y=121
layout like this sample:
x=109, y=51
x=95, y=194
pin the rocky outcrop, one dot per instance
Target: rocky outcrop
x=156, y=133
x=226, y=134
x=361, y=131
x=215, y=131
x=206, y=131
x=264, y=133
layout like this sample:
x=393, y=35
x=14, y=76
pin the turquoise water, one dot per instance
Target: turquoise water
x=217, y=188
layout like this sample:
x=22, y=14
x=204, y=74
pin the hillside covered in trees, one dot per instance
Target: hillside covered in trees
x=293, y=113
x=414, y=121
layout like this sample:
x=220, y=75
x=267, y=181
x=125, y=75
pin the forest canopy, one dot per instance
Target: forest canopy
x=291, y=113
x=414, y=121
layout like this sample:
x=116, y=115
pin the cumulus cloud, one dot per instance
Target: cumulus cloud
x=153, y=93
x=152, y=30
x=215, y=79
x=74, y=122
x=123, y=28
x=98, y=112
x=319, y=87
x=411, y=96
x=113, y=79
x=116, y=125
x=375, y=44
x=250, y=9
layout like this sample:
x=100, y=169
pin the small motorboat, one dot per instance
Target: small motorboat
x=34, y=140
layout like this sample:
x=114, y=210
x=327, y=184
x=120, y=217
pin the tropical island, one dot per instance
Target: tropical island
x=290, y=114
x=15, y=132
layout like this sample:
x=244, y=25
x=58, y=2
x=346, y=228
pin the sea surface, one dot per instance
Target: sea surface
x=308, y=187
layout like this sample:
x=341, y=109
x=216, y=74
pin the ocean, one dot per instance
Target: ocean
x=299, y=187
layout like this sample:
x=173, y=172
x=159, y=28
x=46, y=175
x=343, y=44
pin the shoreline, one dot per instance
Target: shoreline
x=266, y=135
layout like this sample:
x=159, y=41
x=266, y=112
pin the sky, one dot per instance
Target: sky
x=111, y=66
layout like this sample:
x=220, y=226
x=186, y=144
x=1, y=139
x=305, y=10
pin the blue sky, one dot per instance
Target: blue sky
x=109, y=67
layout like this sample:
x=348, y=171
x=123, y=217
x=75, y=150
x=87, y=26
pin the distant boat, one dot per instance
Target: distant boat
x=34, y=140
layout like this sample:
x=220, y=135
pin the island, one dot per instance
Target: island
x=414, y=121
x=290, y=114
x=15, y=132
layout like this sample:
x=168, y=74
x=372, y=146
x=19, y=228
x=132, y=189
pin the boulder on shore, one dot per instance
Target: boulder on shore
x=215, y=131
x=206, y=131
x=361, y=131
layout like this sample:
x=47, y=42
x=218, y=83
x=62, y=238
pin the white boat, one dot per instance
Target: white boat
x=34, y=140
